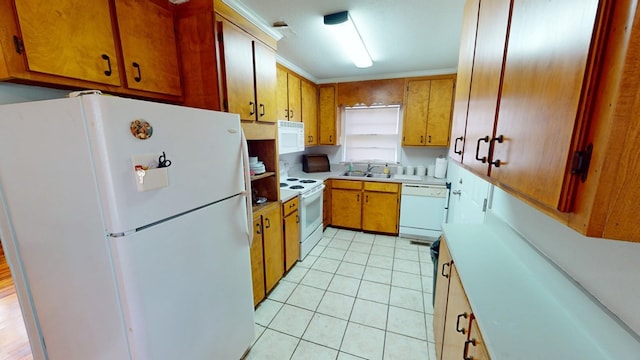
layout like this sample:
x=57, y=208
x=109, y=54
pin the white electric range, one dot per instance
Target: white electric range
x=310, y=192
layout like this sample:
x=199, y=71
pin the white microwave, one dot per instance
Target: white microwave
x=290, y=136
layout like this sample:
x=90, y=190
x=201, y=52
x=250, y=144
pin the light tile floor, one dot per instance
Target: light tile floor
x=355, y=296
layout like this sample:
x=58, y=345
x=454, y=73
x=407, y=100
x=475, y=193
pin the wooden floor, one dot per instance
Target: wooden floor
x=14, y=344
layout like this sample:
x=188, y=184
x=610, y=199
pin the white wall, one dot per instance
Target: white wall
x=607, y=269
x=15, y=93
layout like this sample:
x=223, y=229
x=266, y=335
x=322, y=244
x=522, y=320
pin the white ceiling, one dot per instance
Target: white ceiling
x=404, y=37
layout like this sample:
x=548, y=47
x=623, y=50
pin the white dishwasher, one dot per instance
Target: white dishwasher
x=422, y=211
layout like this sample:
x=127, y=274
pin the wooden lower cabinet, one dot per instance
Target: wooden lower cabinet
x=267, y=252
x=291, y=228
x=346, y=203
x=326, y=203
x=456, y=332
x=381, y=207
x=365, y=205
x=257, y=262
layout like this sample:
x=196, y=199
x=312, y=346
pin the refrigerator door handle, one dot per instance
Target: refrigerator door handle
x=247, y=185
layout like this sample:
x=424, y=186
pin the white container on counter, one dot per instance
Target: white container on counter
x=410, y=170
x=421, y=170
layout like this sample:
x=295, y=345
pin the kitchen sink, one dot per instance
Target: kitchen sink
x=358, y=173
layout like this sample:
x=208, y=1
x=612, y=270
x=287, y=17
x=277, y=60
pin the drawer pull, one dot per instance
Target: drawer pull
x=484, y=158
x=465, y=352
x=460, y=316
x=442, y=272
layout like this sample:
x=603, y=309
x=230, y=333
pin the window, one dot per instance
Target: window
x=371, y=134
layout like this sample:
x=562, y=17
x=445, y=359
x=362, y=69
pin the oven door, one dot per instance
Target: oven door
x=310, y=211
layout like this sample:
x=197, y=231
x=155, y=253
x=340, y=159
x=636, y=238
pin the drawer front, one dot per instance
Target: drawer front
x=346, y=184
x=290, y=206
x=382, y=186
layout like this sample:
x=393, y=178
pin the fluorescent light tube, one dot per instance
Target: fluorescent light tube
x=346, y=33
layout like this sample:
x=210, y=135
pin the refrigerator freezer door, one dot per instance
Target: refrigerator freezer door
x=203, y=148
x=186, y=285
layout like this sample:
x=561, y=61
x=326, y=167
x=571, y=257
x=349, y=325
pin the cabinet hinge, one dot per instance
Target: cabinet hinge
x=19, y=44
x=484, y=205
x=581, y=161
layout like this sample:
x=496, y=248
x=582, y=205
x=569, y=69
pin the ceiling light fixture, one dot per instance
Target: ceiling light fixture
x=345, y=32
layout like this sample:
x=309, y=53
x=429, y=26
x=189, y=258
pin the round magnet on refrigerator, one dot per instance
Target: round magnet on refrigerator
x=141, y=129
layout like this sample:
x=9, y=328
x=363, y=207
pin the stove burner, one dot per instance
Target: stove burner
x=308, y=181
x=296, y=187
x=284, y=184
x=292, y=179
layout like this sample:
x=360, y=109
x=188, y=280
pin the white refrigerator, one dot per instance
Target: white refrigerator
x=116, y=252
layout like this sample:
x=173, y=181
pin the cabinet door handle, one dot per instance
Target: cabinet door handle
x=429, y=139
x=442, y=272
x=460, y=316
x=290, y=116
x=268, y=222
x=286, y=113
x=252, y=105
x=421, y=139
x=311, y=138
x=366, y=199
x=108, y=71
x=297, y=219
x=465, y=352
x=259, y=226
x=330, y=138
x=262, y=111
x=484, y=158
x=358, y=197
x=500, y=140
x=455, y=146
x=137, y=67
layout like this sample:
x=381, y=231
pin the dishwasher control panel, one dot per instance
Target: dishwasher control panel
x=424, y=190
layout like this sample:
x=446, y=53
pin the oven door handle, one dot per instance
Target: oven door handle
x=313, y=192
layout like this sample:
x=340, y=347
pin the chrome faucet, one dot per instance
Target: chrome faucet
x=370, y=167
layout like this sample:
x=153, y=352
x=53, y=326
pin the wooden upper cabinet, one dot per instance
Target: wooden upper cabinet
x=149, y=48
x=237, y=56
x=73, y=39
x=491, y=37
x=265, y=73
x=542, y=95
x=248, y=74
x=427, y=114
x=463, y=79
x=327, y=115
x=416, y=112
x=309, y=112
x=289, y=96
x=282, y=94
x=371, y=92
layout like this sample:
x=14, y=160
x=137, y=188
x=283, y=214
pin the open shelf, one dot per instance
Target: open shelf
x=262, y=176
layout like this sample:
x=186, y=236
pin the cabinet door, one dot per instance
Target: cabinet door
x=439, y=119
x=491, y=36
x=442, y=293
x=416, y=112
x=346, y=208
x=542, y=94
x=457, y=319
x=149, y=48
x=257, y=261
x=69, y=38
x=273, y=247
x=380, y=212
x=295, y=98
x=327, y=116
x=474, y=347
x=310, y=112
x=237, y=55
x=291, y=239
x=265, y=66
x=326, y=204
x=282, y=94
x=463, y=80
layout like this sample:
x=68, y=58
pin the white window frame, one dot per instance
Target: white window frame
x=380, y=144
